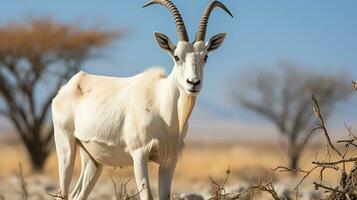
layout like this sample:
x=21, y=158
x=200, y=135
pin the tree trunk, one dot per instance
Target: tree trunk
x=294, y=160
x=38, y=153
x=293, y=153
x=38, y=160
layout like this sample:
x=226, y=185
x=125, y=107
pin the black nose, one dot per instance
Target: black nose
x=194, y=82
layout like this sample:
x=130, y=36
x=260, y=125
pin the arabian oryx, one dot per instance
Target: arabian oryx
x=132, y=121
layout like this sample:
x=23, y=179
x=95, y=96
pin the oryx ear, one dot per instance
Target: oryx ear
x=164, y=42
x=215, y=41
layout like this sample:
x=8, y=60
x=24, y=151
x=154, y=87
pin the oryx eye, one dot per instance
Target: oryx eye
x=177, y=58
x=205, y=58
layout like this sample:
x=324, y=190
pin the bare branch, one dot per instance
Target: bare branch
x=319, y=185
x=347, y=185
x=267, y=187
x=24, y=191
x=317, y=111
x=335, y=162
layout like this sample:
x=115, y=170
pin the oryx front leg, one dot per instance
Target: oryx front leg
x=141, y=174
x=166, y=173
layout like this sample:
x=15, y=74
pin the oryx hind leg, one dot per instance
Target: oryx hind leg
x=90, y=173
x=66, y=152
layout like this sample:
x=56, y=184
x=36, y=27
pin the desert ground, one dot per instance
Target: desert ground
x=248, y=162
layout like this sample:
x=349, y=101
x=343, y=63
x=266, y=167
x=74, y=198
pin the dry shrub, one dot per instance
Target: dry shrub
x=345, y=190
x=218, y=190
x=347, y=187
x=120, y=187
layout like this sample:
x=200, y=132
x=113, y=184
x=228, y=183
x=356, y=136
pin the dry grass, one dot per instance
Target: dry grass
x=214, y=157
x=248, y=162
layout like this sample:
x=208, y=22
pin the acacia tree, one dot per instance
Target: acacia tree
x=284, y=98
x=36, y=58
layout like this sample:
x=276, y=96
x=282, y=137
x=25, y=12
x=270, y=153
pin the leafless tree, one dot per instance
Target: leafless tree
x=283, y=96
x=36, y=57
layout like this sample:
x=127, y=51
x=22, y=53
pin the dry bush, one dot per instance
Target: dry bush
x=264, y=185
x=347, y=187
x=120, y=187
x=345, y=190
x=218, y=191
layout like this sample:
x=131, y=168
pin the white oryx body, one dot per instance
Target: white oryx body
x=130, y=121
x=123, y=114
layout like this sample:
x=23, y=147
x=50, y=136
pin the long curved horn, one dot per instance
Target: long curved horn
x=180, y=25
x=201, y=33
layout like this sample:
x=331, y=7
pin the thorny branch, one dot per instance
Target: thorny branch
x=120, y=189
x=321, y=126
x=58, y=195
x=344, y=188
x=24, y=192
x=217, y=190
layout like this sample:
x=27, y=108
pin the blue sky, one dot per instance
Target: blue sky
x=319, y=35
